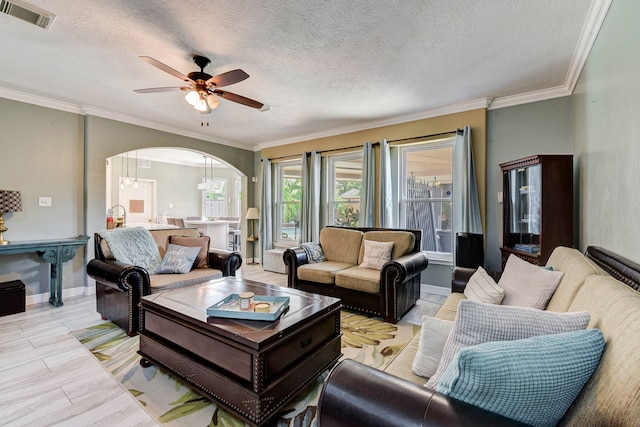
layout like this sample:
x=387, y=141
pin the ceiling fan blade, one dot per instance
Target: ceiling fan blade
x=228, y=78
x=238, y=98
x=159, y=89
x=166, y=68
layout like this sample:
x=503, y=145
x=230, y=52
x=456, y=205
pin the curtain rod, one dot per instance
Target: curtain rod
x=297, y=156
x=457, y=131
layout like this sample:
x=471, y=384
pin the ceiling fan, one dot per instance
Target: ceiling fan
x=203, y=89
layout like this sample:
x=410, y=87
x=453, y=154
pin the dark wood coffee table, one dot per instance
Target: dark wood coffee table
x=251, y=368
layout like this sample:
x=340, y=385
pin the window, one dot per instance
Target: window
x=214, y=198
x=426, y=189
x=344, y=184
x=288, y=202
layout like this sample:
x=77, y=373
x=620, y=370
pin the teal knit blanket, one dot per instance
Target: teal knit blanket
x=133, y=246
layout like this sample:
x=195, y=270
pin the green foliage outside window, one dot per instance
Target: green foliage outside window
x=292, y=202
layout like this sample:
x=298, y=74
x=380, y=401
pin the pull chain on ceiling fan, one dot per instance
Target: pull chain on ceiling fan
x=203, y=90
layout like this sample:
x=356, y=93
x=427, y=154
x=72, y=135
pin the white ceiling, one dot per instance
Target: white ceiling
x=324, y=67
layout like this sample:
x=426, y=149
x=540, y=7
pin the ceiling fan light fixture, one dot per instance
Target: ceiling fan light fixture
x=202, y=106
x=192, y=97
x=212, y=101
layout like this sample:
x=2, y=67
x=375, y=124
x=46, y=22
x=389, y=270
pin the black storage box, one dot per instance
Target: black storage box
x=12, y=297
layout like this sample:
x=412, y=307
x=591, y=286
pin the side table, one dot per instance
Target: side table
x=55, y=252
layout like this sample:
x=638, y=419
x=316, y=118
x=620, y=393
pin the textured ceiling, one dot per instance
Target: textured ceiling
x=324, y=67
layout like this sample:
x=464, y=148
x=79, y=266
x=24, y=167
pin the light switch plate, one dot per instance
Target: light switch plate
x=44, y=201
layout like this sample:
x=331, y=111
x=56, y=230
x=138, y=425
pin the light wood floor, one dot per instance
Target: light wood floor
x=48, y=378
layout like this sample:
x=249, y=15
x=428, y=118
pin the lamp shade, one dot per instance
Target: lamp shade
x=253, y=213
x=10, y=201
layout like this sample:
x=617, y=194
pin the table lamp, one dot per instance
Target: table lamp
x=10, y=201
x=253, y=214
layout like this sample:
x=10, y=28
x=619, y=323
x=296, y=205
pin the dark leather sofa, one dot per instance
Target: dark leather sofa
x=120, y=286
x=389, y=294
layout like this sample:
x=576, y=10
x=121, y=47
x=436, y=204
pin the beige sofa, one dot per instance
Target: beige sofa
x=610, y=398
x=388, y=292
x=119, y=286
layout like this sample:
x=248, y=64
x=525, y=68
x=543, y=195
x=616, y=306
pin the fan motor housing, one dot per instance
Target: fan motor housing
x=199, y=75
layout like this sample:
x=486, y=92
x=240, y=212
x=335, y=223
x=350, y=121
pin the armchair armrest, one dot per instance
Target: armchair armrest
x=293, y=258
x=461, y=275
x=357, y=392
x=406, y=266
x=116, y=274
x=226, y=261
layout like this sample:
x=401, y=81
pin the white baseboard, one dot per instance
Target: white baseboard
x=432, y=289
x=66, y=293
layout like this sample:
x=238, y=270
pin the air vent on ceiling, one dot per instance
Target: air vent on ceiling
x=27, y=12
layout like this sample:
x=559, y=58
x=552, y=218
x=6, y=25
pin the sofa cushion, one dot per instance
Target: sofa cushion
x=178, y=259
x=161, y=282
x=449, y=307
x=576, y=268
x=341, y=244
x=528, y=285
x=321, y=272
x=433, y=335
x=532, y=380
x=611, y=395
x=161, y=236
x=403, y=242
x=400, y=366
x=359, y=279
x=376, y=254
x=202, y=260
x=477, y=323
x=482, y=288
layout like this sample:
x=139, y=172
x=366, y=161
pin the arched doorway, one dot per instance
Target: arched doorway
x=150, y=186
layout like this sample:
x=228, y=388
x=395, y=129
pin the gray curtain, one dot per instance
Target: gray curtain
x=266, y=209
x=386, y=185
x=466, y=208
x=367, y=189
x=310, y=220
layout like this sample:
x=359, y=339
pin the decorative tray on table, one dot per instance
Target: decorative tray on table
x=261, y=307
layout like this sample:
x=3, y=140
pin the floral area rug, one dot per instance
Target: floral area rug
x=367, y=340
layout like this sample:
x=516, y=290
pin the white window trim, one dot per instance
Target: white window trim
x=278, y=241
x=434, y=257
x=329, y=183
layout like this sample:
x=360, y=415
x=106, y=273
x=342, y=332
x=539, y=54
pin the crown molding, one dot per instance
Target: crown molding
x=593, y=24
x=41, y=101
x=526, y=98
x=389, y=121
x=125, y=118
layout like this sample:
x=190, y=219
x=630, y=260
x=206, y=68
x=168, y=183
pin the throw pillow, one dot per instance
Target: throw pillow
x=203, y=242
x=533, y=380
x=178, y=259
x=482, y=288
x=376, y=254
x=528, y=285
x=433, y=335
x=477, y=323
x=314, y=252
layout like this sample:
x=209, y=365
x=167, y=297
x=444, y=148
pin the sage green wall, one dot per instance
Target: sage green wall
x=512, y=133
x=175, y=184
x=42, y=155
x=46, y=152
x=606, y=134
x=106, y=138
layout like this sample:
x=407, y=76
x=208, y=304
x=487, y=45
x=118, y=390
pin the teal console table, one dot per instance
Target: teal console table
x=55, y=252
